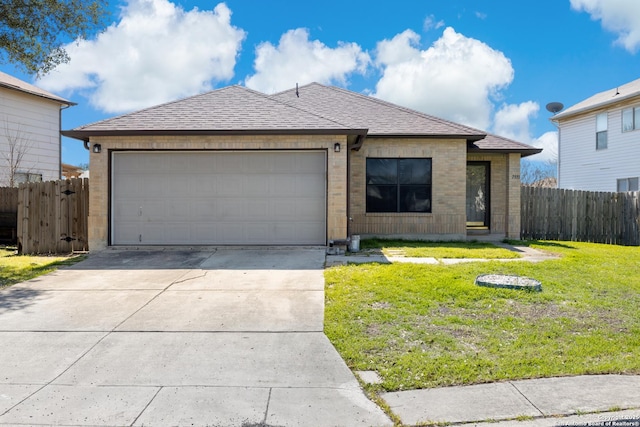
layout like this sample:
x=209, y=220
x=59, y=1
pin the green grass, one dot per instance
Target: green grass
x=423, y=326
x=18, y=268
x=421, y=249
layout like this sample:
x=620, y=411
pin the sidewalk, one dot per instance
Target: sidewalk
x=590, y=399
x=526, y=254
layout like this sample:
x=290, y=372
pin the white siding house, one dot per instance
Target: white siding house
x=598, y=150
x=29, y=126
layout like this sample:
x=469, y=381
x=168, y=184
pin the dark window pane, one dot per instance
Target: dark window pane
x=382, y=198
x=601, y=140
x=382, y=171
x=414, y=171
x=633, y=184
x=415, y=198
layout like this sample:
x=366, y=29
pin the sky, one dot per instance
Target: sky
x=489, y=64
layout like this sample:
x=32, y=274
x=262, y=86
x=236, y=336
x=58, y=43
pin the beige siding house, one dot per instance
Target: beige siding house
x=29, y=125
x=599, y=141
x=302, y=167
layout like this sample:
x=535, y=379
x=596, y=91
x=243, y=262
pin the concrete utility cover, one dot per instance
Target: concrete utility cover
x=508, y=282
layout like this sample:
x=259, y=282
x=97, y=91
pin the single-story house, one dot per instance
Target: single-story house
x=306, y=166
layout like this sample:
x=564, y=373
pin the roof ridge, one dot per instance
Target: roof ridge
x=391, y=105
x=405, y=109
x=272, y=97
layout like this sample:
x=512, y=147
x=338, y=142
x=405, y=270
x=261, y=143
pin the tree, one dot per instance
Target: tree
x=17, y=146
x=33, y=32
x=539, y=174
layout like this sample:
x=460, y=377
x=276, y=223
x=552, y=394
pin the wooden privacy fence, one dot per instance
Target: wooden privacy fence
x=582, y=216
x=52, y=216
x=8, y=214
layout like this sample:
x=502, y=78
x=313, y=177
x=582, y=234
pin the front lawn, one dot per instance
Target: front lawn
x=18, y=268
x=423, y=326
x=421, y=249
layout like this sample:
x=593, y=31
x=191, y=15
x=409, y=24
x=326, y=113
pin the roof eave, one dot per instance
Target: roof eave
x=60, y=101
x=468, y=138
x=568, y=113
x=84, y=135
x=524, y=152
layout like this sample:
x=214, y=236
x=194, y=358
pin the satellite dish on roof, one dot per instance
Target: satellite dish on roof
x=554, y=107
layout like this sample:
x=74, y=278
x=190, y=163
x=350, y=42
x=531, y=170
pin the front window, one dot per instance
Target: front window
x=601, y=131
x=630, y=119
x=399, y=185
x=628, y=184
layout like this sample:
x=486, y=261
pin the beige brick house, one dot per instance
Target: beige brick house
x=302, y=167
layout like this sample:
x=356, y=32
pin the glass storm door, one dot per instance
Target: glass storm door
x=477, y=195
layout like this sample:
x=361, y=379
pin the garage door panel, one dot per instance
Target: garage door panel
x=219, y=198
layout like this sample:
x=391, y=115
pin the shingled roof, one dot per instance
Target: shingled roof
x=233, y=109
x=499, y=144
x=380, y=117
x=16, y=84
x=318, y=109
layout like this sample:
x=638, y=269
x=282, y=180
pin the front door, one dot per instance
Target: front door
x=478, y=195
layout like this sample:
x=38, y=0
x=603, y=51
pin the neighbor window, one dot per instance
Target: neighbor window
x=628, y=184
x=22, y=177
x=398, y=185
x=601, y=131
x=630, y=119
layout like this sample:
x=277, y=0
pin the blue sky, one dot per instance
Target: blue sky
x=491, y=64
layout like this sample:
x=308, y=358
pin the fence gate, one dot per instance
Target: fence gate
x=52, y=216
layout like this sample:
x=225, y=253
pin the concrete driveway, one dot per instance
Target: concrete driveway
x=226, y=337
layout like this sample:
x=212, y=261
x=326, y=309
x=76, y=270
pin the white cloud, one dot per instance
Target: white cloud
x=618, y=16
x=297, y=59
x=457, y=78
x=512, y=121
x=157, y=52
x=431, y=22
x=549, y=144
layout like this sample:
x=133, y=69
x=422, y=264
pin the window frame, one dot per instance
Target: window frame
x=399, y=188
x=601, y=131
x=635, y=119
x=628, y=181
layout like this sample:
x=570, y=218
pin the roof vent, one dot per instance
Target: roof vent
x=297, y=93
x=617, y=92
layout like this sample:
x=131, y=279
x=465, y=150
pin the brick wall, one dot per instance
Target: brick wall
x=447, y=219
x=100, y=174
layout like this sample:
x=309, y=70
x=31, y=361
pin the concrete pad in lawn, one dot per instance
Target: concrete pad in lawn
x=55, y=405
x=67, y=279
x=12, y=394
x=211, y=359
x=69, y=310
x=568, y=395
x=266, y=259
x=459, y=404
x=39, y=357
x=254, y=311
x=212, y=406
x=323, y=407
x=249, y=280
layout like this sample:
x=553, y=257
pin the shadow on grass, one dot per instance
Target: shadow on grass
x=544, y=243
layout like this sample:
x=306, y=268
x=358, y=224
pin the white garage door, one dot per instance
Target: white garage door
x=210, y=198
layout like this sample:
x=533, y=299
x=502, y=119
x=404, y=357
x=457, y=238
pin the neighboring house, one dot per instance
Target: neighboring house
x=30, y=148
x=70, y=171
x=307, y=167
x=599, y=141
